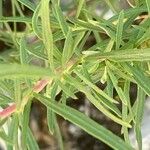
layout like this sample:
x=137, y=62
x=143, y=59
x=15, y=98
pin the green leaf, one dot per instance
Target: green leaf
x=4, y=99
x=68, y=48
x=13, y=131
x=31, y=142
x=94, y=26
x=129, y=12
x=94, y=87
x=46, y=32
x=118, y=89
x=79, y=38
x=28, y=4
x=37, y=50
x=16, y=19
x=51, y=92
x=8, y=88
x=79, y=8
x=122, y=55
x=6, y=138
x=17, y=93
x=1, y=13
x=66, y=90
x=109, y=87
x=148, y=6
x=60, y=18
x=111, y=6
x=119, y=29
x=109, y=46
x=25, y=125
x=3, y=121
x=125, y=110
x=23, y=53
x=108, y=104
x=58, y=134
x=35, y=22
x=93, y=100
x=139, y=116
x=116, y=70
x=51, y=116
x=16, y=71
x=85, y=123
x=141, y=79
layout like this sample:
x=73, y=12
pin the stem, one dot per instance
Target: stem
x=8, y=111
x=38, y=87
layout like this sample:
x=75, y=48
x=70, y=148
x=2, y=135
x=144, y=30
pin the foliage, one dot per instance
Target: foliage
x=50, y=55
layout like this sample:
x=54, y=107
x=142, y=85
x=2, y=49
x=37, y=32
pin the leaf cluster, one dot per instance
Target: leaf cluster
x=52, y=54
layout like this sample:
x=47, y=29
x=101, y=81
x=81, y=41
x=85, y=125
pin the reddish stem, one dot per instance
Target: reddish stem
x=8, y=111
x=39, y=86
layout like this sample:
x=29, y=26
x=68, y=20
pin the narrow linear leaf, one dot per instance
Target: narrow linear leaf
x=68, y=47
x=51, y=92
x=79, y=8
x=131, y=116
x=119, y=29
x=58, y=134
x=98, y=90
x=31, y=142
x=1, y=13
x=23, y=52
x=28, y=4
x=16, y=19
x=37, y=54
x=125, y=109
x=37, y=50
x=3, y=121
x=129, y=12
x=122, y=55
x=109, y=46
x=35, y=22
x=5, y=99
x=109, y=87
x=78, y=39
x=148, y=5
x=108, y=104
x=139, y=116
x=6, y=138
x=66, y=90
x=119, y=72
x=46, y=31
x=95, y=26
x=13, y=131
x=93, y=100
x=15, y=70
x=25, y=124
x=61, y=19
x=139, y=76
x=118, y=89
x=17, y=92
x=111, y=6
x=85, y=123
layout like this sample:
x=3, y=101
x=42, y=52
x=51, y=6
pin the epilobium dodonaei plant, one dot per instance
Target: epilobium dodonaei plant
x=50, y=55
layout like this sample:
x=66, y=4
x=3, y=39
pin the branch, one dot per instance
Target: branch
x=38, y=87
